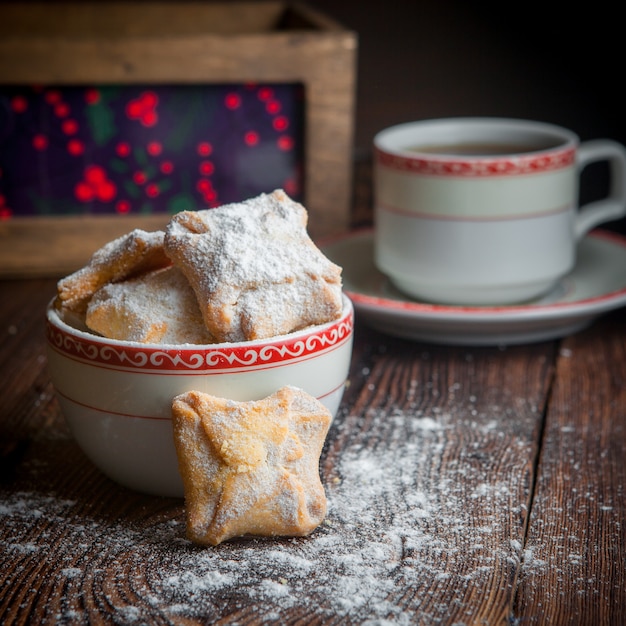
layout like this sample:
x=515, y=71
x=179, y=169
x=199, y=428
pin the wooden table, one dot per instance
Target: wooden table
x=465, y=486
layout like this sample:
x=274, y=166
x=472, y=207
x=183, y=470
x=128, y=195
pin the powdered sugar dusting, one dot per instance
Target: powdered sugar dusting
x=156, y=307
x=395, y=523
x=254, y=268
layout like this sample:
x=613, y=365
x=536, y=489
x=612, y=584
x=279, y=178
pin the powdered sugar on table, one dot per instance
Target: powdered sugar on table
x=389, y=516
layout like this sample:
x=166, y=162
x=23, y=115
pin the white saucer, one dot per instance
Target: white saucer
x=596, y=285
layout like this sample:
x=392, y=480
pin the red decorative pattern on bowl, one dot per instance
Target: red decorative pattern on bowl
x=119, y=355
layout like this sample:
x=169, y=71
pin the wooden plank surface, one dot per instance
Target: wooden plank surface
x=443, y=441
x=118, y=20
x=428, y=469
x=465, y=486
x=573, y=567
x=39, y=247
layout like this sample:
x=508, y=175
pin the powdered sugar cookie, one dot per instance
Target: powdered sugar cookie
x=254, y=269
x=250, y=468
x=158, y=307
x=129, y=255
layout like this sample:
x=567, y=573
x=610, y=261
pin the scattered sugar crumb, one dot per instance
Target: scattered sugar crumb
x=388, y=517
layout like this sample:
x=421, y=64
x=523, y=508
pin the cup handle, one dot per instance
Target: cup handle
x=614, y=205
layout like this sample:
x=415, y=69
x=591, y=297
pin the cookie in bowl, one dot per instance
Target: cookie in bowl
x=135, y=336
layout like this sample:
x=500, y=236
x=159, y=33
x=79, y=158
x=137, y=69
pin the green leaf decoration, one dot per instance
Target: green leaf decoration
x=132, y=190
x=180, y=202
x=101, y=120
x=150, y=171
x=165, y=185
x=141, y=157
x=108, y=92
x=194, y=108
x=45, y=205
x=119, y=166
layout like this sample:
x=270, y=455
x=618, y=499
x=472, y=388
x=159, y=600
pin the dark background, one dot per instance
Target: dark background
x=550, y=61
x=421, y=59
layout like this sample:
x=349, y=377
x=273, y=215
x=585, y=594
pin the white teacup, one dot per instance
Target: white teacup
x=484, y=211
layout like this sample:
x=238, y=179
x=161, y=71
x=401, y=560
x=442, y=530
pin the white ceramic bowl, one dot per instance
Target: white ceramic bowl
x=116, y=396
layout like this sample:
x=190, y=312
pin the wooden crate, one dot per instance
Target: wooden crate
x=180, y=43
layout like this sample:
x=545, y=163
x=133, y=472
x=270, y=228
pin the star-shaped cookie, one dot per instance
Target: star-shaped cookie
x=255, y=270
x=129, y=255
x=250, y=468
